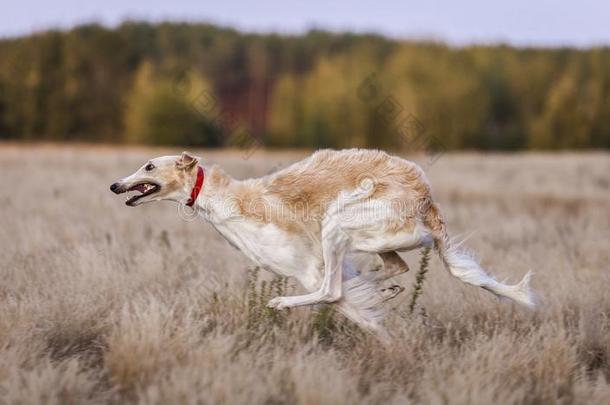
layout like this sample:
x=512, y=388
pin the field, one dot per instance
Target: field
x=102, y=303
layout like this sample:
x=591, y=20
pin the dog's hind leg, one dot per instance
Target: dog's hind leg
x=364, y=320
x=376, y=268
x=393, y=265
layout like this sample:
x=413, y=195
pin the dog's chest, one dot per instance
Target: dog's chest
x=270, y=247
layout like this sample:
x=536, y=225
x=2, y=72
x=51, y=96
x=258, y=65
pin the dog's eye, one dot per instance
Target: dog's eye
x=149, y=167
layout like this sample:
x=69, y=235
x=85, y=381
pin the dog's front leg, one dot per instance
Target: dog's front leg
x=334, y=246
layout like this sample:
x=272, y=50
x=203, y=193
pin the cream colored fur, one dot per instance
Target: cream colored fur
x=329, y=221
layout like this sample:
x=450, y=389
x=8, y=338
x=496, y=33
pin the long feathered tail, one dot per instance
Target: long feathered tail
x=462, y=265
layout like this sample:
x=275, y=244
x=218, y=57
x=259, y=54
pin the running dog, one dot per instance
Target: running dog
x=326, y=221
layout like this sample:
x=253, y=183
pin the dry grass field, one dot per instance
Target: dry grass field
x=102, y=303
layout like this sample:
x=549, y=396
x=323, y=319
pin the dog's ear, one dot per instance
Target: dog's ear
x=186, y=161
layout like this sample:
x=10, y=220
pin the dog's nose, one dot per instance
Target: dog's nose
x=114, y=187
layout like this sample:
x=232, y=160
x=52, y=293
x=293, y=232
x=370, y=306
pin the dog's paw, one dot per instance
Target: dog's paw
x=278, y=303
x=391, y=292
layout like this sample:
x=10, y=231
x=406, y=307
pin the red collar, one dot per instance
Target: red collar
x=197, y=188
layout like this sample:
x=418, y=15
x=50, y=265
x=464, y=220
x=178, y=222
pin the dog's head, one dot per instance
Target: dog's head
x=163, y=178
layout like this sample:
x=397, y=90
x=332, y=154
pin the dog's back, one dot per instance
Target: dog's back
x=315, y=182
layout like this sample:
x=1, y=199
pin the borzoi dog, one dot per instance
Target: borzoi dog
x=324, y=221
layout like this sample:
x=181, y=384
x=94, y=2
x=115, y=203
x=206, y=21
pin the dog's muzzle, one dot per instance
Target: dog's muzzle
x=145, y=188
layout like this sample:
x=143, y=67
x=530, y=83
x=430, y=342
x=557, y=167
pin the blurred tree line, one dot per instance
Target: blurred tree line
x=198, y=84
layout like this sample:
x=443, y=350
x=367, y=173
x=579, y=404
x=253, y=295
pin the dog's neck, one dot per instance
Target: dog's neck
x=220, y=196
x=229, y=205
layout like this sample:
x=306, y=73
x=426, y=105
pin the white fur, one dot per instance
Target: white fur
x=331, y=265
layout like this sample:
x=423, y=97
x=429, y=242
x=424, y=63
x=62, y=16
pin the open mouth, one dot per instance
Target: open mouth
x=144, y=189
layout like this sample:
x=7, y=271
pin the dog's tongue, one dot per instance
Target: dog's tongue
x=140, y=187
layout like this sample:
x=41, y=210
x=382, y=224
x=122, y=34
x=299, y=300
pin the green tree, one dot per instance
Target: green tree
x=163, y=111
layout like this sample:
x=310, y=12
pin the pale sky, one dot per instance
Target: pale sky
x=521, y=22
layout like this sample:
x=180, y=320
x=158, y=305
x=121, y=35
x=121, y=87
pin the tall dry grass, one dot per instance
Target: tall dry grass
x=102, y=303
